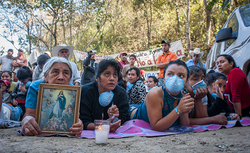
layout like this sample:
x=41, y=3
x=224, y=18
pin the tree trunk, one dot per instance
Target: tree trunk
x=177, y=18
x=187, y=28
x=208, y=24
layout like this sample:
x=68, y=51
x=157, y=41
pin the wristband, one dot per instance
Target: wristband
x=176, y=110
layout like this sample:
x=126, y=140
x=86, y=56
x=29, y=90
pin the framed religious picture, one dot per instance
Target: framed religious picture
x=57, y=107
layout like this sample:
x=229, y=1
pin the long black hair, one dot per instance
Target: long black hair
x=212, y=77
x=104, y=64
x=137, y=71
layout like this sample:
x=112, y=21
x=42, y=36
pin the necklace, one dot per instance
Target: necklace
x=172, y=96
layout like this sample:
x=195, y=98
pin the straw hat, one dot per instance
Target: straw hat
x=56, y=49
x=196, y=51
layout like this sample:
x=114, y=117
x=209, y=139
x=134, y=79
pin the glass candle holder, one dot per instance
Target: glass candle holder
x=102, y=128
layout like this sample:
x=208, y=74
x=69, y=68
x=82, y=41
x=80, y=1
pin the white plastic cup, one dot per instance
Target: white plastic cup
x=102, y=128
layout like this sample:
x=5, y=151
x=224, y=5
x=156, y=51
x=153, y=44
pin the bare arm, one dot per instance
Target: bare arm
x=154, y=103
x=23, y=64
x=199, y=108
x=237, y=108
x=29, y=124
x=218, y=119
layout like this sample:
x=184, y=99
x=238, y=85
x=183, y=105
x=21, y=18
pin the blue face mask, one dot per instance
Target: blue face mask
x=105, y=98
x=129, y=85
x=174, y=84
x=200, y=84
x=214, y=95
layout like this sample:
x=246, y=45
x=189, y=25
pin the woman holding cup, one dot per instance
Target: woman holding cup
x=103, y=99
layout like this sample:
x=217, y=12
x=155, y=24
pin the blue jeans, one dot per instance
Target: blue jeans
x=161, y=82
x=16, y=112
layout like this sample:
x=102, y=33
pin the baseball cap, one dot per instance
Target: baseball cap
x=92, y=51
x=123, y=53
x=7, y=83
x=10, y=50
x=165, y=41
x=142, y=71
x=20, y=50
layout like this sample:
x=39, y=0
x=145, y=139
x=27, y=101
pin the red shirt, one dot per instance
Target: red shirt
x=122, y=64
x=237, y=88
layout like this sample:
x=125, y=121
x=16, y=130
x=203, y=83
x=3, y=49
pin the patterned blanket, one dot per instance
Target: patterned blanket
x=141, y=128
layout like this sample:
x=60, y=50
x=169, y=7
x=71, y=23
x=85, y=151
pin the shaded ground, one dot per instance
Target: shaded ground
x=235, y=139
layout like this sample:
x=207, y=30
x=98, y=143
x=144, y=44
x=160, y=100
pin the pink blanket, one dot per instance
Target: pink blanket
x=141, y=128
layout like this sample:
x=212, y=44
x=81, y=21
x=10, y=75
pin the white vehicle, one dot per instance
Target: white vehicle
x=234, y=39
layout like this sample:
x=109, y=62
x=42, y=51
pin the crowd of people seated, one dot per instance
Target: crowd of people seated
x=184, y=94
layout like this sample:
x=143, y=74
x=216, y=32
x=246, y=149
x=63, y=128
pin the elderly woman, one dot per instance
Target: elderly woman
x=237, y=88
x=57, y=70
x=104, y=99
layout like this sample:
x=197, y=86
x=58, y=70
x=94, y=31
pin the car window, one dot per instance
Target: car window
x=233, y=23
x=218, y=50
x=245, y=14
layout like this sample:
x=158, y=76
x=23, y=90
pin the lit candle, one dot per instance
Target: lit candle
x=102, y=133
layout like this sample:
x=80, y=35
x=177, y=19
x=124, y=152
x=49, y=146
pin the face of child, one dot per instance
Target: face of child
x=4, y=87
x=5, y=76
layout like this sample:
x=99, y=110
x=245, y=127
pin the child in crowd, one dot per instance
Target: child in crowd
x=7, y=75
x=7, y=111
x=24, y=76
x=6, y=97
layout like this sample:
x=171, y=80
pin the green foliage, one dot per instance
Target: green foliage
x=111, y=26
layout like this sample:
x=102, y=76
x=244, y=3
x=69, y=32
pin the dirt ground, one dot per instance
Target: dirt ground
x=235, y=139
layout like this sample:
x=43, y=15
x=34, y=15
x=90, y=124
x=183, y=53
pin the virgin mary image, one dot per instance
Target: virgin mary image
x=59, y=106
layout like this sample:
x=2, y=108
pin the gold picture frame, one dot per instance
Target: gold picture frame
x=57, y=107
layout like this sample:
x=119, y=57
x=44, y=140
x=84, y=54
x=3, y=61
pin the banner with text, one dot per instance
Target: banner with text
x=143, y=59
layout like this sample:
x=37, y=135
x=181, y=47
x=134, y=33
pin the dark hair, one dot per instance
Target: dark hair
x=132, y=55
x=212, y=77
x=154, y=78
x=6, y=72
x=42, y=59
x=24, y=73
x=121, y=82
x=104, y=64
x=229, y=59
x=177, y=62
x=136, y=70
x=195, y=70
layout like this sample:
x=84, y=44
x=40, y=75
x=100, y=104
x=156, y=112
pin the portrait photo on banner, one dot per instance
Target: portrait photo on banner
x=57, y=107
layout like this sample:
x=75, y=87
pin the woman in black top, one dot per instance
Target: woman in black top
x=104, y=99
x=217, y=102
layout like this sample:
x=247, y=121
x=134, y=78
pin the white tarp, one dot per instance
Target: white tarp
x=144, y=58
x=33, y=56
